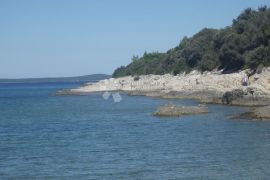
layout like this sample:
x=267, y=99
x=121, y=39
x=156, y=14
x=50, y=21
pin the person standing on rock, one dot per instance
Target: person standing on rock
x=245, y=80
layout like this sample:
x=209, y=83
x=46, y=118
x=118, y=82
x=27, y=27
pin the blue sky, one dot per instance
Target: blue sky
x=54, y=38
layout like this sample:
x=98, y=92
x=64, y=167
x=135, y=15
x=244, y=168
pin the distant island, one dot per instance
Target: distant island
x=86, y=78
x=243, y=45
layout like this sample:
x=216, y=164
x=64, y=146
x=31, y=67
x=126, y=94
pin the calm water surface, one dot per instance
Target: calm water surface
x=86, y=137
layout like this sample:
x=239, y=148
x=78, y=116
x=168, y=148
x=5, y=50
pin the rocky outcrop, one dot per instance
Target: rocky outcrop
x=230, y=96
x=174, y=110
x=249, y=96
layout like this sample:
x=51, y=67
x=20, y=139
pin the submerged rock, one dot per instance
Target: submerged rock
x=257, y=113
x=64, y=92
x=69, y=92
x=174, y=110
x=261, y=112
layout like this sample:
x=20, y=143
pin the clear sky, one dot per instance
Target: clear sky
x=54, y=38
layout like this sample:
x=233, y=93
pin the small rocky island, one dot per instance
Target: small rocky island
x=175, y=110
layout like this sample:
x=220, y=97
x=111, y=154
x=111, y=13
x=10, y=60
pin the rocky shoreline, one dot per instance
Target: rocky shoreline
x=209, y=87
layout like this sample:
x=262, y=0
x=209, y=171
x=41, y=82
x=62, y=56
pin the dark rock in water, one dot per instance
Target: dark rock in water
x=229, y=96
x=174, y=110
x=262, y=113
x=256, y=113
x=247, y=97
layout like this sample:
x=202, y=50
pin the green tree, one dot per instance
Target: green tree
x=135, y=58
x=244, y=44
x=209, y=61
x=260, y=55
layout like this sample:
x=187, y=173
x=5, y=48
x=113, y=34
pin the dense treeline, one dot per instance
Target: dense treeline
x=244, y=44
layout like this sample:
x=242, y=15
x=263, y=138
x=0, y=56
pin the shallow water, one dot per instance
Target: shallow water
x=86, y=137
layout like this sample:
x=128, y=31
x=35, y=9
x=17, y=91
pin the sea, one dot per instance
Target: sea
x=44, y=136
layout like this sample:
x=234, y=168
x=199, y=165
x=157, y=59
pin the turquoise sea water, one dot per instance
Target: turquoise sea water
x=86, y=137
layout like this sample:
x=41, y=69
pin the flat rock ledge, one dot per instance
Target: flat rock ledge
x=67, y=92
x=175, y=110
